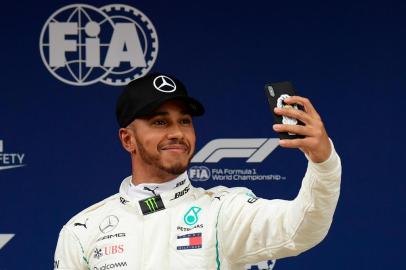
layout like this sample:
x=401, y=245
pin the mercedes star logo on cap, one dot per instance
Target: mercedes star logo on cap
x=164, y=84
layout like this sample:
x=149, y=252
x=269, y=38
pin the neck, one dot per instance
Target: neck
x=148, y=190
x=150, y=174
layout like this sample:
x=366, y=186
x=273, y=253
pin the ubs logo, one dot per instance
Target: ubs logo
x=82, y=45
x=108, y=250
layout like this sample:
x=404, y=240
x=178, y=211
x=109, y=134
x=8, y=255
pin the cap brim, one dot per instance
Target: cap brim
x=195, y=108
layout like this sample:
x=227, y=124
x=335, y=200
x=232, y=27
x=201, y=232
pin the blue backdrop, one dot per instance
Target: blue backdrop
x=347, y=58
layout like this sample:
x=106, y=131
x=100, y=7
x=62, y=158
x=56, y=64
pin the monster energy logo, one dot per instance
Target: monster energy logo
x=151, y=205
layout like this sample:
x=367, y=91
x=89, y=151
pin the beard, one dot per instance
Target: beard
x=155, y=160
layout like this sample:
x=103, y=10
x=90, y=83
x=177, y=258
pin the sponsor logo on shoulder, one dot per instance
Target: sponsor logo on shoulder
x=124, y=201
x=77, y=224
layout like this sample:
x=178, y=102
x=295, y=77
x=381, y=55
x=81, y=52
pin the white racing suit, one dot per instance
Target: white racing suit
x=192, y=228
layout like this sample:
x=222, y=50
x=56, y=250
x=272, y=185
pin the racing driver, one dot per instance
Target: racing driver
x=158, y=220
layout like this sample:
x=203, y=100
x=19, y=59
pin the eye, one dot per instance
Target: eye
x=159, y=122
x=186, y=121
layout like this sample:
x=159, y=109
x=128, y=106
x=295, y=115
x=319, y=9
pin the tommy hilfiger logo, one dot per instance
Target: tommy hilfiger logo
x=151, y=205
x=189, y=241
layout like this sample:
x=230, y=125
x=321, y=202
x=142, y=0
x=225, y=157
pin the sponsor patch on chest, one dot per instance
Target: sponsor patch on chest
x=189, y=241
x=107, y=251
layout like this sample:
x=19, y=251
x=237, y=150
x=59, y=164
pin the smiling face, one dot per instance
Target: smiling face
x=161, y=144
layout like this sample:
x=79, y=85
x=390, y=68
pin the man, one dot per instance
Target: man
x=158, y=220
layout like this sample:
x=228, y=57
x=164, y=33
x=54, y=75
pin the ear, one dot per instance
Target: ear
x=127, y=139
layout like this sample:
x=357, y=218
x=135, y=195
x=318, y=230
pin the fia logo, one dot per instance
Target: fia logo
x=81, y=44
x=199, y=173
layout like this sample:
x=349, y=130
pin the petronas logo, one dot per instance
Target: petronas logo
x=151, y=205
x=191, y=217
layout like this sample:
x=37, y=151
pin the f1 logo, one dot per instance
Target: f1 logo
x=255, y=150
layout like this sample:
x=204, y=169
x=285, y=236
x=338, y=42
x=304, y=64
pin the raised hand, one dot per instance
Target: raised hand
x=316, y=144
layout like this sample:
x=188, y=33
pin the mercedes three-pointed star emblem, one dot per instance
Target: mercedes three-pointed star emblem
x=164, y=84
x=108, y=224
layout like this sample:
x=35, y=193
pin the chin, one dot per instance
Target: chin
x=175, y=168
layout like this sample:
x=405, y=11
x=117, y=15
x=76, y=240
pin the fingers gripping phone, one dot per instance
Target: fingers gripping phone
x=277, y=93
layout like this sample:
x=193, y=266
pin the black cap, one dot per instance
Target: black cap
x=142, y=96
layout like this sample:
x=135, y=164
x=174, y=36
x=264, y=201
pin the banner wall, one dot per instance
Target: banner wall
x=65, y=63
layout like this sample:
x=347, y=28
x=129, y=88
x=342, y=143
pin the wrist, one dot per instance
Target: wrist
x=323, y=154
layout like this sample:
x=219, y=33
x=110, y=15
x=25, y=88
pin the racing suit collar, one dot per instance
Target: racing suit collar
x=146, y=190
x=180, y=189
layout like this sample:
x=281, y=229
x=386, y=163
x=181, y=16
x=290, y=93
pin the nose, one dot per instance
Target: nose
x=175, y=132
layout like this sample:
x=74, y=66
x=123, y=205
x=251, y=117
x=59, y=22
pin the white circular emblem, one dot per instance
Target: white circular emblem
x=286, y=120
x=164, y=84
x=82, y=45
x=108, y=224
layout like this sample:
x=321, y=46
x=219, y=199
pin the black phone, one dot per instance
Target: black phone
x=277, y=93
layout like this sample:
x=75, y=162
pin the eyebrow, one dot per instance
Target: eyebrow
x=153, y=114
x=164, y=113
